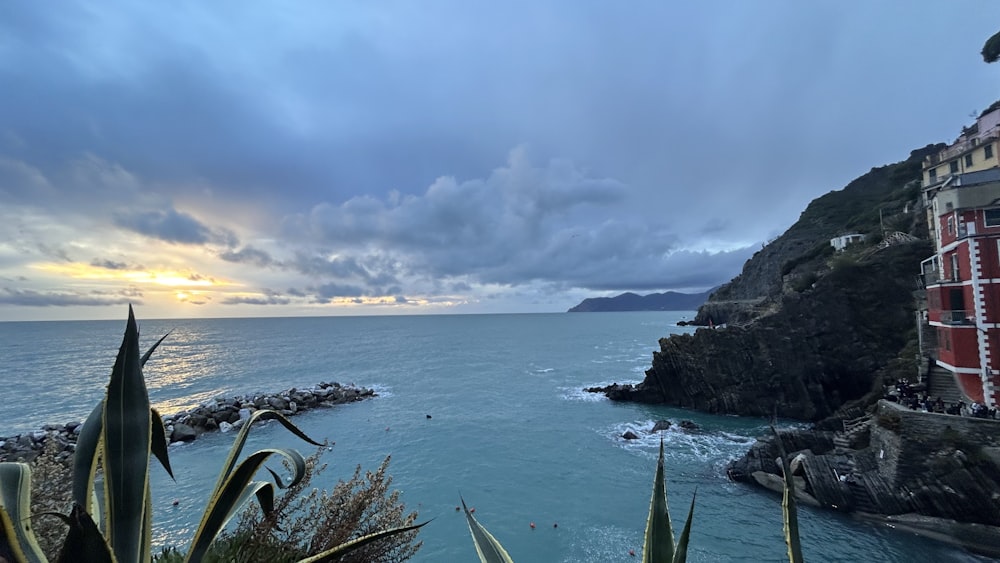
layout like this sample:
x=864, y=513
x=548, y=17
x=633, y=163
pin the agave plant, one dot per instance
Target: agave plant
x=788, y=508
x=122, y=433
x=658, y=546
x=487, y=546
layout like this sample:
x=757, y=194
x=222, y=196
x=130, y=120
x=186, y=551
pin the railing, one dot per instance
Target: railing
x=958, y=317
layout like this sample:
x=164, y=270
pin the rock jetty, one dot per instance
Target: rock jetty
x=220, y=414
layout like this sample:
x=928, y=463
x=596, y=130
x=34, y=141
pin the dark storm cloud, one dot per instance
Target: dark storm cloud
x=248, y=255
x=522, y=224
x=172, y=226
x=32, y=298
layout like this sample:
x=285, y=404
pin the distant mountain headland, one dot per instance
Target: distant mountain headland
x=667, y=301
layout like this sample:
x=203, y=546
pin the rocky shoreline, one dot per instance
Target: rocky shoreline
x=933, y=474
x=220, y=414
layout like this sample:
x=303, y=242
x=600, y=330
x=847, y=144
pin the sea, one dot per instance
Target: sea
x=489, y=408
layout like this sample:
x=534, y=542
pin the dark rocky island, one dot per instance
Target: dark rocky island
x=667, y=301
x=814, y=334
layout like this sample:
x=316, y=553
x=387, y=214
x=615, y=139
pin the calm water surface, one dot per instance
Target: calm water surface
x=511, y=430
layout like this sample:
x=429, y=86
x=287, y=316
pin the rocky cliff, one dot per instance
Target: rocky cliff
x=807, y=328
x=820, y=348
x=877, y=199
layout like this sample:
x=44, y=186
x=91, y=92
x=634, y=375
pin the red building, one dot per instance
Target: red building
x=963, y=280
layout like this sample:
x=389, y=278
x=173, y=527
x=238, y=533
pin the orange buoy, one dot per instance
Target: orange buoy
x=473, y=509
x=532, y=524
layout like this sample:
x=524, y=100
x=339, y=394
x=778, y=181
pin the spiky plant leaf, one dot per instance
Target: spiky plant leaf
x=88, y=448
x=127, y=438
x=658, y=545
x=680, y=551
x=487, y=546
x=244, y=433
x=224, y=502
x=159, y=444
x=84, y=541
x=788, y=507
x=16, y=537
x=335, y=553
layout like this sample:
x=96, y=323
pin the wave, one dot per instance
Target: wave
x=578, y=394
x=703, y=445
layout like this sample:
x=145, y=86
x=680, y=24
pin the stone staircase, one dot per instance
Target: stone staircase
x=941, y=383
x=852, y=431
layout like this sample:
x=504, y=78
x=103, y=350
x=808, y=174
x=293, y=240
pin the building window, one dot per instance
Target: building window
x=968, y=159
x=953, y=166
x=932, y=174
x=954, y=271
x=992, y=217
x=951, y=225
x=988, y=151
x=944, y=336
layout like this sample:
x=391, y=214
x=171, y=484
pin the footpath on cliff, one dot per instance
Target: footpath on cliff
x=812, y=334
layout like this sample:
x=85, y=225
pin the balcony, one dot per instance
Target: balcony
x=958, y=317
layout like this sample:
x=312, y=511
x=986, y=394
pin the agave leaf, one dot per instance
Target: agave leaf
x=487, y=546
x=788, y=507
x=146, y=356
x=223, y=503
x=88, y=446
x=334, y=553
x=658, y=545
x=680, y=553
x=241, y=439
x=159, y=444
x=127, y=438
x=84, y=541
x=16, y=536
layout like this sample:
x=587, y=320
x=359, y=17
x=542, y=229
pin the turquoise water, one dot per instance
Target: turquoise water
x=511, y=430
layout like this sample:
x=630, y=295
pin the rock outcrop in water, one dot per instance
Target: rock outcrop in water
x=819, y=349
x=223, y=413
x=934, y=474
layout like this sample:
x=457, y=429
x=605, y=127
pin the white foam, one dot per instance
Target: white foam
x=381, y=390
x=707, y=446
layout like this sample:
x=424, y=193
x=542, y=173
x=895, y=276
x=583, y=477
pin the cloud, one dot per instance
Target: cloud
x=266, y=298
x=522, y=224
x=248, y=255
x=172, y=226
x=330, y=291
x=32, y=298
x=114, y=265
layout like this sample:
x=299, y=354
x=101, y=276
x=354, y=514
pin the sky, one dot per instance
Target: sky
x=235, y=159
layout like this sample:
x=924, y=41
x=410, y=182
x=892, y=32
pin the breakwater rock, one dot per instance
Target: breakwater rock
x=220, y=414
x=934, y=472
x=816, y=350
